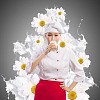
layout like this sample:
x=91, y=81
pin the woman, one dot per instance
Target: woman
x=54, y=65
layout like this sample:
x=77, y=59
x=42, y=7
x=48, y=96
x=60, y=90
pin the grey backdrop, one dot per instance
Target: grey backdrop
x=15, y=19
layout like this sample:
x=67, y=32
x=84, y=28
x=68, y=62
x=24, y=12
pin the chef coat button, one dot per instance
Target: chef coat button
x=57, y=69
x=55, y=79
x=57, y=51
x=57, y=60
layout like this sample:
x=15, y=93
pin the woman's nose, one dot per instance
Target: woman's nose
x=53, y=38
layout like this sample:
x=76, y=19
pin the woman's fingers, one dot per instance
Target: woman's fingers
x=64, y=87
x=62, y=84
x=51, y=46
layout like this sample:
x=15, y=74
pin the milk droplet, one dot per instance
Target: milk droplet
x=79, y=26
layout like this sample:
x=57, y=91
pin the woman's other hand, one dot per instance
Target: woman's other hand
x=65, y=87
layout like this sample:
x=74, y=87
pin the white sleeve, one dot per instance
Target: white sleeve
x=75, y=67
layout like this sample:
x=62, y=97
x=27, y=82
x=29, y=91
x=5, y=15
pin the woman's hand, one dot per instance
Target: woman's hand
x=64, y=87
x=50, y=47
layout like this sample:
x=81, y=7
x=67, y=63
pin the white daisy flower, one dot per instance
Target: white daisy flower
x=62, y=43
x=76, y=95
x=83, y=60
x=29, y=86
x=60, y=13
x=38, y=41
x=40, y=22
x=21, y=66
x=72, y=95
x=19, y=48
x=71, y=41
x=15, y=86
x=56, y=14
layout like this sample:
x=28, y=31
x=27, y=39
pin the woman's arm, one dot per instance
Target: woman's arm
x=77, y=69
x=73, y=84
x=39, y=58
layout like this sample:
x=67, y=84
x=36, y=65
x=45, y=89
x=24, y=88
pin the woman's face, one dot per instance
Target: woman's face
x=52, y=36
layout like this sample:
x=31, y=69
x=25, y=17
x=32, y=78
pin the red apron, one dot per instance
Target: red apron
x=49, y=90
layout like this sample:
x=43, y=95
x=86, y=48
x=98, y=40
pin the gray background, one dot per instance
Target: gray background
x=15, y=19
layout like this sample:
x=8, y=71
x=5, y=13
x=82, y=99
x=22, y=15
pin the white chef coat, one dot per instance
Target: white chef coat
x=56, y=65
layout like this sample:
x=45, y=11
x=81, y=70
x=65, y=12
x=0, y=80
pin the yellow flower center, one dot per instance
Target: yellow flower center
x=80, y=60
x=23, y=66
x=72, y=95
x=60, y=13
x=42, y=23
x=33, y=89
x=37, y=41
x=62, y=44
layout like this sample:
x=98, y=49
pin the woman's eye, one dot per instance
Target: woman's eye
x=49, y=35
x=56, y=35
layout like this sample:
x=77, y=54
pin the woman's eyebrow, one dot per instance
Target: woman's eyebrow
x=49, y=33
x=57, y=34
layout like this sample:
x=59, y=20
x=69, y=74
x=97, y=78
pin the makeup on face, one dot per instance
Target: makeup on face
x=53, y=36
